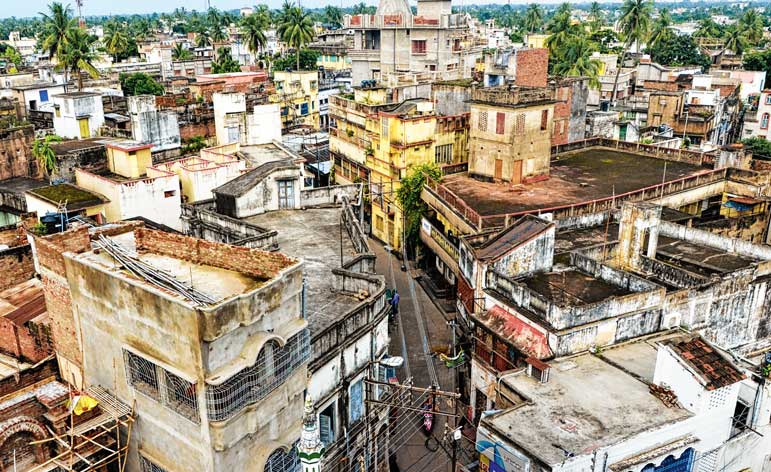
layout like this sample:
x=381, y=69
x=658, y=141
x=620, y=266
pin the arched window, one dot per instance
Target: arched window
x=282, y=461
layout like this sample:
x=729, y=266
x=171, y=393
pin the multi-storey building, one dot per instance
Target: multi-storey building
x=378, y=141
x=756, y=123
x=394, y=40
x=297, y=93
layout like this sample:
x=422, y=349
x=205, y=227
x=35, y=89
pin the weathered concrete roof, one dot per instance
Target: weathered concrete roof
x=698, y=258
x=522, y=231
x=587, y=404
x=572, y=287
x=579, y=177
x=313, y=235
x=245, y=182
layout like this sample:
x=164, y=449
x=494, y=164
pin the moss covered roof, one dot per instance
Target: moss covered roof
x=75, y=197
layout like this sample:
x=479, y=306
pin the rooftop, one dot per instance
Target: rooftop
x=313, y=235
x=127, y=145
x=715, y=370
x=245, y=182
x=19, y=185
x=587, y=404
x=578, y=177
x=74, y=197
x=261, y=154
x=23, y=302
x=36, y=85
x=572, y=287
x=522, y=231
x=700, y=259
x=71, y=145
x=78, y=94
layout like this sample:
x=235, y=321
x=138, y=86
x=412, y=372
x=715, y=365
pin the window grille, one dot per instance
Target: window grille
x=149, y=466
x=172, y=391
x=482, y=121
x=443, y=154
x=274, y=365
x=519, y=127
x=282, y=461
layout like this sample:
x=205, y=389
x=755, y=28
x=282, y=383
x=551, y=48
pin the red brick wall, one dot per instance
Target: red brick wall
x=59, y=305
x=16, y=159
x=248, y=261
x=31, y=342
x=561, y=126
x=532, y=67
x=204, y=128
x=667, y=86
x=50, y=248
x=46, y=370
x=16, y=266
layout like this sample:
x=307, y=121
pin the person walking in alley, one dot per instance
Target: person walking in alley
x=395, y=303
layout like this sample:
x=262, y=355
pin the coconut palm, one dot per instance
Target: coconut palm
x=218, y=34
x=596, y=16
x=56, y=24
x=203, y=38
x=707, y=28
x=252, y=28
x=734, y=40
x=662, y=29
x=333, y=16
x=634, y=24
x=78, y=55
x=296, y=30
x=577, y=61
x=751, y=25
x=115, y=39
x=179, y=53
x=533, y=18
x=45, y=154
x=561, y=32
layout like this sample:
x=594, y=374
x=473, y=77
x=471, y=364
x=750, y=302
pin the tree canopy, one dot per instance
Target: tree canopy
x=678, y=50
x=139, y=84
x=408, y=196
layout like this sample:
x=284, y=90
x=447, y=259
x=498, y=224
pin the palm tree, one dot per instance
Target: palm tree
x=179, y=53
x=708, y=28
x=662, y=29
x=254, y=34
x=115, y=39
x=333, y=16
x=78, y=56
x=56, y=24
x=561, y=32
x=296, y=30
x=634, y=24
x=45, y=155
x=203, y=38
x=751, y=25
x=533, y=18
x=596, y=16
x=214, y=17
x=734, y=40
x=577, y=61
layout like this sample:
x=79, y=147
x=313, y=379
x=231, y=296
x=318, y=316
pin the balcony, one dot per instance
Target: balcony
x=442, y=247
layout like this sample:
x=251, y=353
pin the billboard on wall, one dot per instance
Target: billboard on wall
x=496, y=455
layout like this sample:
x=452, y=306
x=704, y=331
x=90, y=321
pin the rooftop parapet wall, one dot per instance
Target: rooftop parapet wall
x=698, y=236
x=514, y=96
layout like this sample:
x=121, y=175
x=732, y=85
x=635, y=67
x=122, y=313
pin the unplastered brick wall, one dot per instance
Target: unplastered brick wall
x=28, y=377
x=50, y=249
x=16, y=266
x=253, y=262
x=31, y=342
x=62, y=321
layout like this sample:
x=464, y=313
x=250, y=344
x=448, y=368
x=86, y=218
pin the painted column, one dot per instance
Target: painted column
x=310, y=450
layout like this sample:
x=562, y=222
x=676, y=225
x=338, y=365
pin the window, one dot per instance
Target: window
x=519, y=126
x=384, y=128
x=285, y=194
x=740, y=418
x=304, y=108
x=500, y=122
x=443, y=154
x=149, y=466
x=482, y=121
x=356, y=401
x=544, y=120
x=327, y=424
x=283, y=461
x=379, y=223
x=418, y=46
x=764, y=121
x=43, y=96
x=169, y=193
x=768, y=99
x=154, y=381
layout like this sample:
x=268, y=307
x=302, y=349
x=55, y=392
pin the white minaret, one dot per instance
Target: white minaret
x=310, y=450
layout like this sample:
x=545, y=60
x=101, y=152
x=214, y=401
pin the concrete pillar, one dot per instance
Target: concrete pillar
x=311, y=449
x=637, y=219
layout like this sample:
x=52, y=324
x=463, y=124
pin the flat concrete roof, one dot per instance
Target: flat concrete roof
x=572, y=288
x=19, y=185
x=577, y=177
x=264, y=153
x=700, y=259
x=586, y=404
x=313, y=235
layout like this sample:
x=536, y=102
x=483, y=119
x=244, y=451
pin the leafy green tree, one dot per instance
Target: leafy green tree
x=78, y=55
x=634, y=24
x=408, y=196
x=218, y=34
x=734, y=40
x=296, y=29
x=662, y=28
x=225, y=62
x=45, y=154
x=57, y=24
x=253, y=29
x=180, y=53
x=708, y=28
x=308, y=59
x=678, y=50
x=751, y=26
x=116, y=41
x=333, y=16
x=605, y=39
x=533, y=18
x=139, y=84
x=561, y=32
x=10, y=54
x=577, y=61
x=758, y=61
x=758, y=146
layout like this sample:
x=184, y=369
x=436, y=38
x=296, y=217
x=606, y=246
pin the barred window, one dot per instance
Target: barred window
x=149, y=466
x=274, y=365
x=443, y=154
x=482, y=121
x=282, y=461
x=169, y=389
x=519, y=127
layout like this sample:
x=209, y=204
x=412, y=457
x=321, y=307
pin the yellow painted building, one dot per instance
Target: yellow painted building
x=297, y=93
x=378, y=142
x=536, y=41
x=334, y=62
